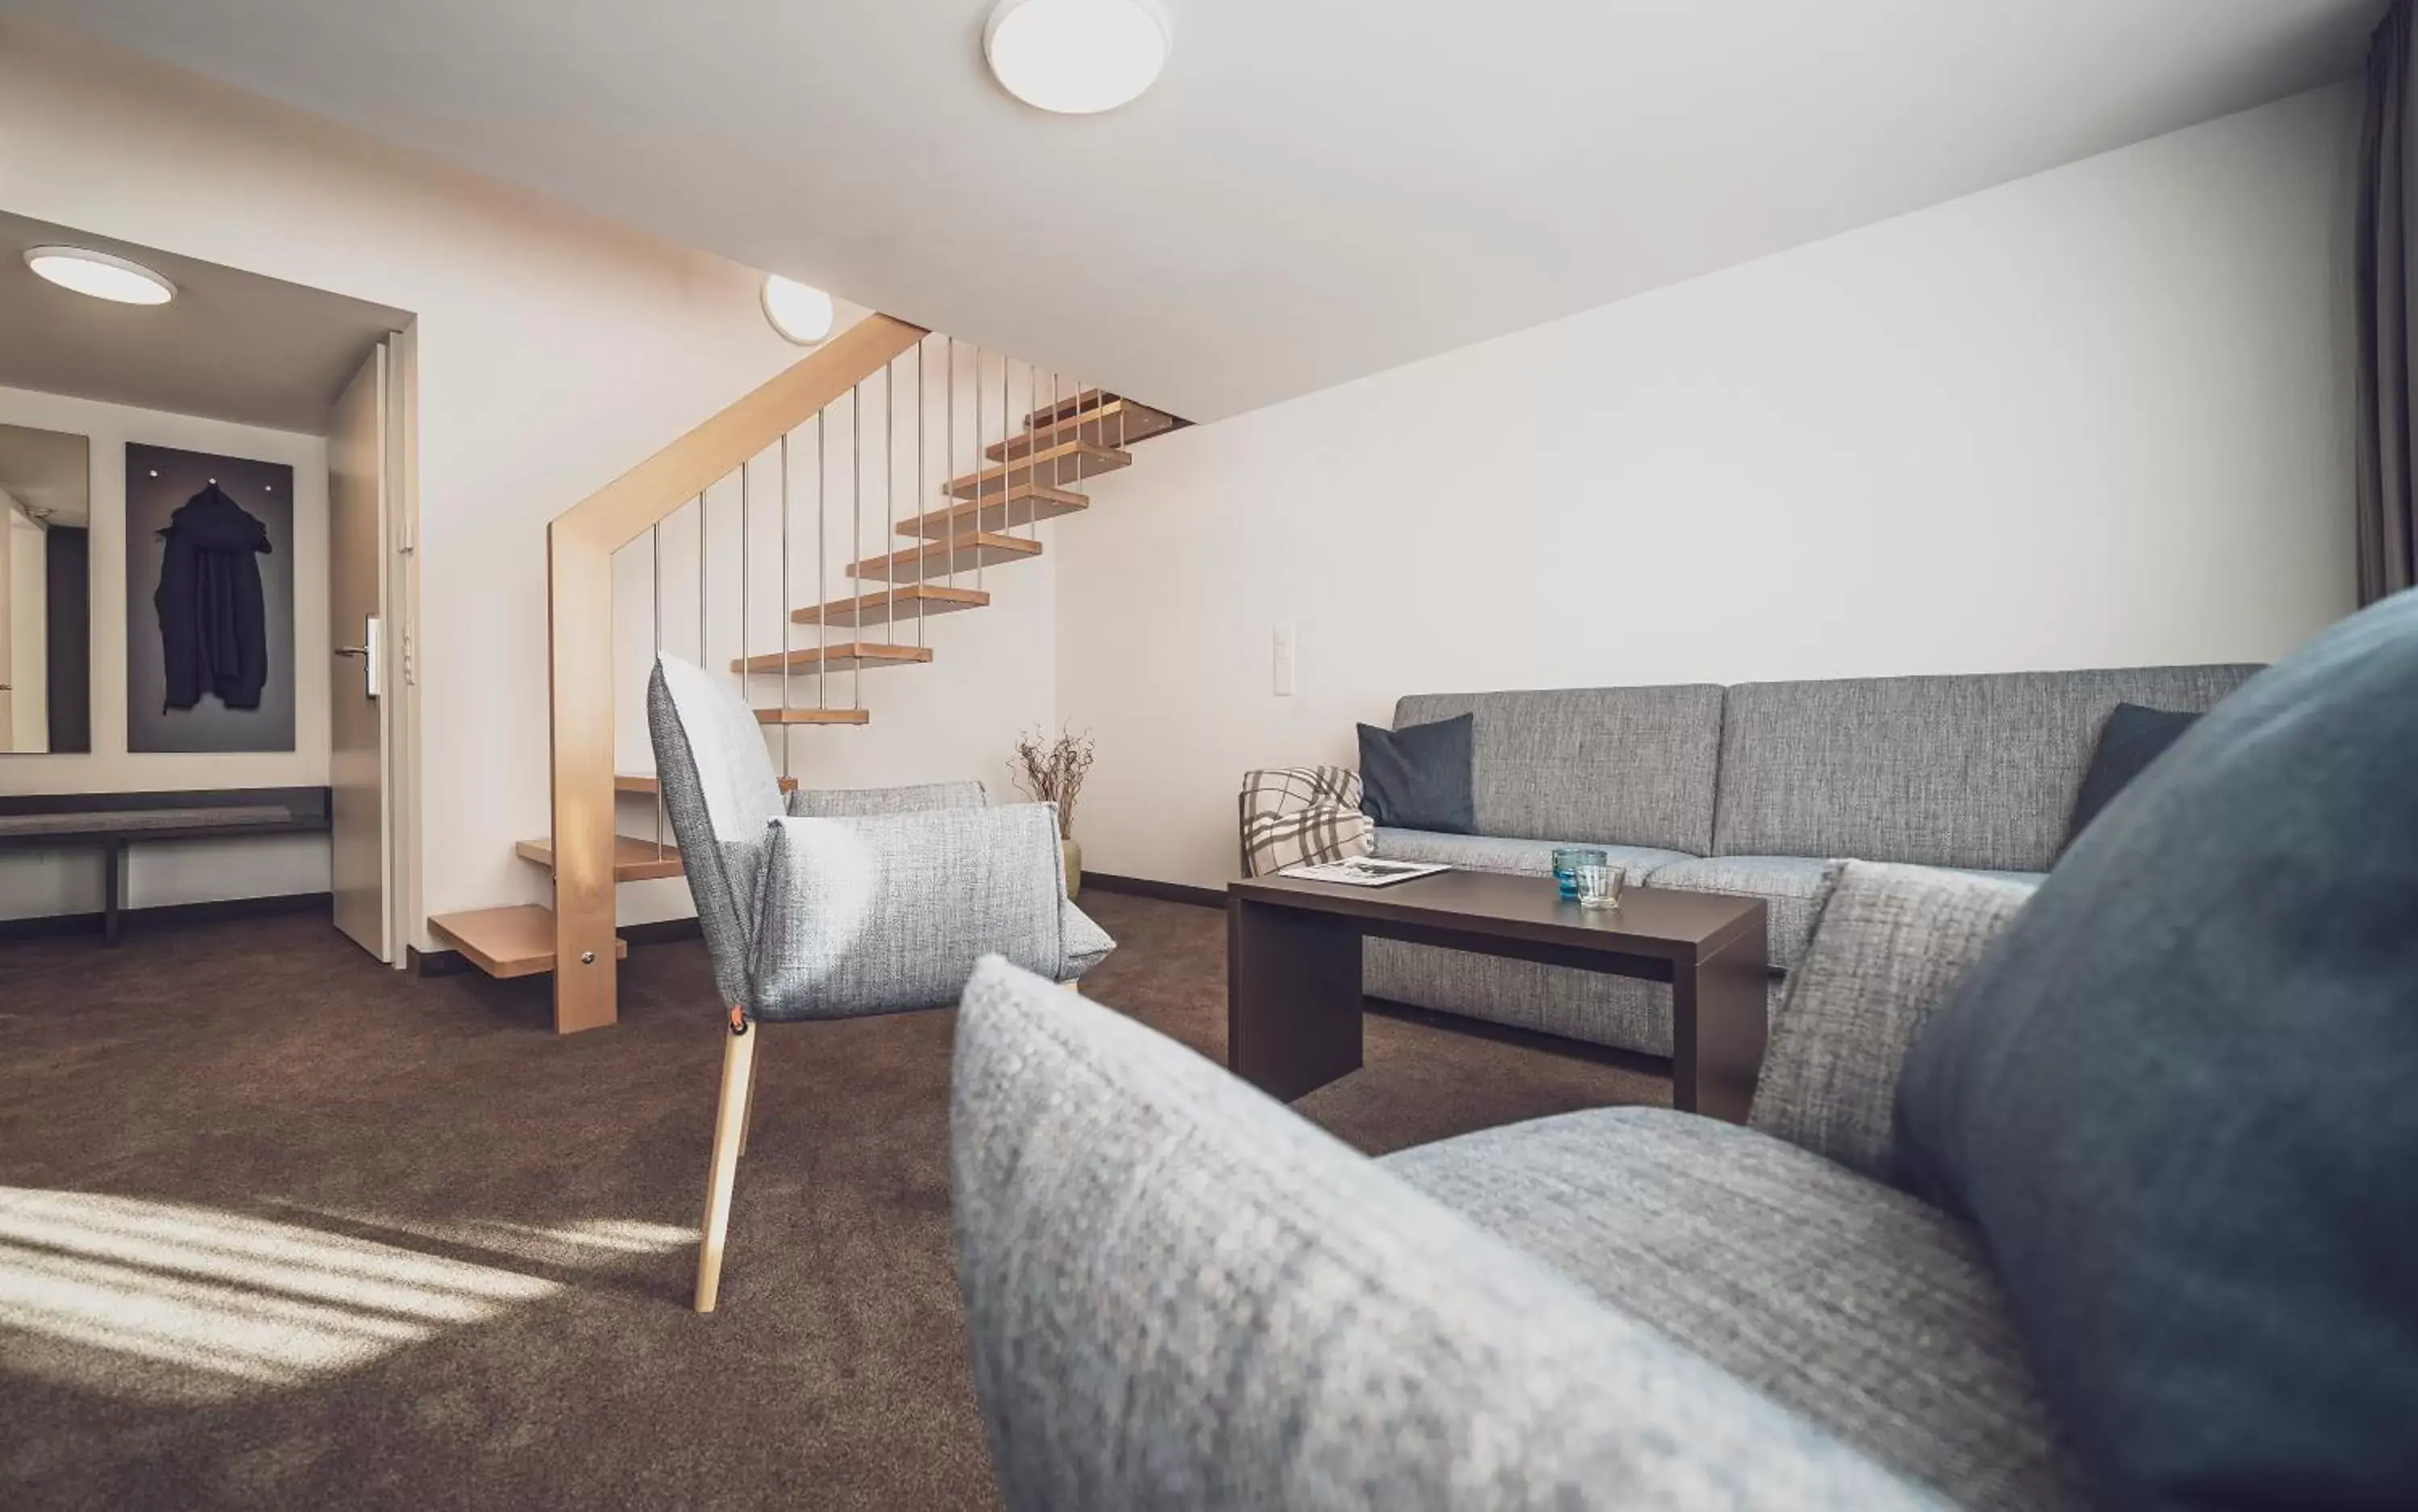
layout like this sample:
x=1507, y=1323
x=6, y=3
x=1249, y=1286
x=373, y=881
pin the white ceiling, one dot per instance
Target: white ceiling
x=1316, y=188
x=49, y=472
x=231, y=346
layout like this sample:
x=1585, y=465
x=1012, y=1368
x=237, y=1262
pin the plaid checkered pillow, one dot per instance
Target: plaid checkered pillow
x=1292, y=815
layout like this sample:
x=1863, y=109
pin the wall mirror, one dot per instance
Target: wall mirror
x=45, y=591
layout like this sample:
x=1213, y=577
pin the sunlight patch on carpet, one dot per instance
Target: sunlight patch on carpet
x=166, y=1300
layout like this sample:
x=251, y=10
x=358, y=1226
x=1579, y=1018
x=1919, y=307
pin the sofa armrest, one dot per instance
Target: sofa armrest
x=1888, y=943
x=859, y=803
x=890, y=912
x=1181, y=1295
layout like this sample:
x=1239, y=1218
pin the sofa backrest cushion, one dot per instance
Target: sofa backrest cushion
x=1977, y=771
x=1181, y=1294
x=1614, y=766
x=1888, y=944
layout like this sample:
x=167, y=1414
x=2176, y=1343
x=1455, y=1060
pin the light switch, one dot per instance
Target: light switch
x=1286, y=658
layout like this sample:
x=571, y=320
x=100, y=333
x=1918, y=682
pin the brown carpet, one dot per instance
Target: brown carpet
x=280, y=1228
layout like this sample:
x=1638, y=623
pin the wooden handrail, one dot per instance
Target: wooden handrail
x=580, y=543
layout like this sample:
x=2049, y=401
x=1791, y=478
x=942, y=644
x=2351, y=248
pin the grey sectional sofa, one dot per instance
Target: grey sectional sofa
x=1753, y=788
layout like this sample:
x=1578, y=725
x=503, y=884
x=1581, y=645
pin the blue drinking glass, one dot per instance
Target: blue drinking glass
x=1567, y=860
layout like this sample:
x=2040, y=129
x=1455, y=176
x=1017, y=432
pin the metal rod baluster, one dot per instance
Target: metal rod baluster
x=856, y=498
x=784, y=605
x=745, y=688
x=655, y=555
x=822, y=561
x=704, y=659
x=923, y=434
x=890, y=494
x=949, y=457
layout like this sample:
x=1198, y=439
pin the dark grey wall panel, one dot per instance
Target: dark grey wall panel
x=158, y=481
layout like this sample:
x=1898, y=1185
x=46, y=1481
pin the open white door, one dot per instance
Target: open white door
x=360, y=818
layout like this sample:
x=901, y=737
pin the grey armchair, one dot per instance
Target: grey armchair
x=840, y=904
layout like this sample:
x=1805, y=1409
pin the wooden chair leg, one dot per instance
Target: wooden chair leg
x=729, y=1130
x=747, y=1115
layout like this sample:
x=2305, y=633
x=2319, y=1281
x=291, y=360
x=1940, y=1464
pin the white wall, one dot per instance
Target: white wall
x=2100, y=417
x=556, y=351
x=37, y=883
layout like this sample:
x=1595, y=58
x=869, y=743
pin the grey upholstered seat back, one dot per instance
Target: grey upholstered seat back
x=1616, y=765
x=1977, y=771
x=720, y=790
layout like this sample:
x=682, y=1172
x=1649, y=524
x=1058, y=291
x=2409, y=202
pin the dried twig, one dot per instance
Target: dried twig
x=1053, y=772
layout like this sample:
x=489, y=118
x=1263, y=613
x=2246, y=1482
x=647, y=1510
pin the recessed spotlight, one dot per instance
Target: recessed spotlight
x=101, y=275
x=1077, y=57
x=800, y=311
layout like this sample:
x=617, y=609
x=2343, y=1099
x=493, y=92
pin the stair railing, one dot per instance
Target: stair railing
x=580, y=544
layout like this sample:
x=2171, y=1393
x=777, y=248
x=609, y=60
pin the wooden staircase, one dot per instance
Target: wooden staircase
x=1081, y=435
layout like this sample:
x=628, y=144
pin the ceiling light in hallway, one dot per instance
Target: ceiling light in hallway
x=799, y=312
x=1076, y=57
x=101, y=275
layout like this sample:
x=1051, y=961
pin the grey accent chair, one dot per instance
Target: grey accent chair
x=841, y=903
x=1181, y=1295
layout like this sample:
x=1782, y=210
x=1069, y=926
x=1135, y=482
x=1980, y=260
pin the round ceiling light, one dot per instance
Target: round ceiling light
x=1076, y=57
x=101, y=275
x=800, y=313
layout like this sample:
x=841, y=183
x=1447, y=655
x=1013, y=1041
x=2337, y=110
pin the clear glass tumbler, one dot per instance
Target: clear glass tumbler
x=1599, y=884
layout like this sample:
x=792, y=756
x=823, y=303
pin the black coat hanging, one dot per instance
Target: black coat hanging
x=213, y=625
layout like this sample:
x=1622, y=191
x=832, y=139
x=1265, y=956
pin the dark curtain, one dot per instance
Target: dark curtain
x=2387, y=508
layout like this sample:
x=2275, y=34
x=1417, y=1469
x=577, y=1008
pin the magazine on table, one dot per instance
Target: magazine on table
x=1361, y=871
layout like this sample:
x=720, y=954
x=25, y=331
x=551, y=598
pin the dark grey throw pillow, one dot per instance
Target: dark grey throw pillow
x=2179, y=1098
x=1417, y=777
x=2133, y=738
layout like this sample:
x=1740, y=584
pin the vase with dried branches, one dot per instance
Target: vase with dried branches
x=1052, y=771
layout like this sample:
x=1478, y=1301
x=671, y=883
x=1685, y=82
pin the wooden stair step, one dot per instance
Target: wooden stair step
x=839, y=656
x=915, y=601
x=1074, y=404
x=507, y=942
x=944, y=556
x=645, y=782
x=634, y=860
x=1117, y=422
x=1065, y=462
x=1021, y=504
x=794, y=715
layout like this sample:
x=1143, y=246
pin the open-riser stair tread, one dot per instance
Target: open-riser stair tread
x=915, y=601
x=648, y=784
x=513, y=941
x=1072, y=404
x=812, y=714
x=1025, y=504
x=1120, y=423
x=634, y=859
x=1069, y=462
x=839, y=656
x=947, y=556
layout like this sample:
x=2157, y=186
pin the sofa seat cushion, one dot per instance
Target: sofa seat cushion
x=1788, y=885
x=1871, y=1314
x=1519, y=857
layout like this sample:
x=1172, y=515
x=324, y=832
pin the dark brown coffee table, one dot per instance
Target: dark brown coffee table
x=1292, y=968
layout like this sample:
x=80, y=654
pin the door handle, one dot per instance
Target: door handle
x=352, y=650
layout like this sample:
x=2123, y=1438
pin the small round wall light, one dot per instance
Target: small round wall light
x=800, y=313
x=101, y=275
x=1077, y=57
